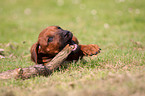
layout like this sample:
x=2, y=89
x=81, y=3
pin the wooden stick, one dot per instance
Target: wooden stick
x=40, y=69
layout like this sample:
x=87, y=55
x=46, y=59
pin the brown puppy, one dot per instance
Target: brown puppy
x=53, y=39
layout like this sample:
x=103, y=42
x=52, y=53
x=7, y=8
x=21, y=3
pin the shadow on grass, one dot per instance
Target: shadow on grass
x=87, y=62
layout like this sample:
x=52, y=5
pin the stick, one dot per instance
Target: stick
x=40, y=69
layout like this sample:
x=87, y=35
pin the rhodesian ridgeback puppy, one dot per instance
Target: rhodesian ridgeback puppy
x=53, y=39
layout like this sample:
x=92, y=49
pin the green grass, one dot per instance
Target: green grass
x=117, y=26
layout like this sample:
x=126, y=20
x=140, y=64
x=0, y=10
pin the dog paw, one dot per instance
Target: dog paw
x=90, y=49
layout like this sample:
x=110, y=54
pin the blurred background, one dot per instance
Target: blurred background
x=24, y=20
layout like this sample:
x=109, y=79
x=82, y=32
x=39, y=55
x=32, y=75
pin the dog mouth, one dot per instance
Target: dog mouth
x=75, y=46
x=68, y=40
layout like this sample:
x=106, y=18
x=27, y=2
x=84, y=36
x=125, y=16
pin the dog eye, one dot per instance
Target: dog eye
x=50, y=39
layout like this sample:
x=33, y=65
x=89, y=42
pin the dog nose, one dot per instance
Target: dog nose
x=99, y=50
x=65, y=33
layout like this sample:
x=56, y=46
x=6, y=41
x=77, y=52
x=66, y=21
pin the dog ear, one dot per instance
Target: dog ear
x=34, y=52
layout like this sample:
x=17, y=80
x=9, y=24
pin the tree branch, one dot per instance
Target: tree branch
x=40, y=69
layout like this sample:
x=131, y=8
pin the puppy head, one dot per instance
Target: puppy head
x=50, y=42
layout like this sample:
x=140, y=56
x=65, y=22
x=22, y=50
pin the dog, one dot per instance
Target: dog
x=53, y=39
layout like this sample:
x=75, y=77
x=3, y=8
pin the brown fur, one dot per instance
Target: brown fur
x=53, y=39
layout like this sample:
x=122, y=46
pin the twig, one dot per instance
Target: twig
x=40, y=69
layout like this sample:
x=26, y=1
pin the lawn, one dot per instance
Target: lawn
x=117, y=26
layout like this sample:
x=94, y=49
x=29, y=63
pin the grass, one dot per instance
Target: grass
x=117, y=26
